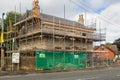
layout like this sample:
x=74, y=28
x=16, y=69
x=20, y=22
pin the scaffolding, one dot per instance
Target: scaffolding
x=51, y=34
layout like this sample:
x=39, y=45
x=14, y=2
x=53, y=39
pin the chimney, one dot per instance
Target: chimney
x=36, y=9
x=81, y=19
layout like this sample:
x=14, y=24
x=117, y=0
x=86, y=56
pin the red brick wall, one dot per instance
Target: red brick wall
x=108, y=54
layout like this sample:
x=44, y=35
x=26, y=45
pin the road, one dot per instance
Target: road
x=106, y=74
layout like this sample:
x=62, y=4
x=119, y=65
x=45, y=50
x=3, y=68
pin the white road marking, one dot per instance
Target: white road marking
x=79, y=79
x=88, y=78
x=91, y=78
x=118, y=75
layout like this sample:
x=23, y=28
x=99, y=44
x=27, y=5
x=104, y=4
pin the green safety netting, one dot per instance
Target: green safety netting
x=60, y=60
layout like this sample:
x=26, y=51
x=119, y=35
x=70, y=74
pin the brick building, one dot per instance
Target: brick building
x=46, y=41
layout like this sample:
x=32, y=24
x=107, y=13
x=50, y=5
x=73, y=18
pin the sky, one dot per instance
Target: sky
x=106, y=13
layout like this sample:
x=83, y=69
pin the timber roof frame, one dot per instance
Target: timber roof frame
x=53, y=19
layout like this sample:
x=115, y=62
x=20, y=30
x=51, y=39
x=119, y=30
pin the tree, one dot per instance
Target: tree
x=11, y=16
x=109, y=43
x=117, y=42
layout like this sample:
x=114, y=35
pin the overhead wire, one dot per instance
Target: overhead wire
x=85, y=7
x=102, y=17
x=108, y=17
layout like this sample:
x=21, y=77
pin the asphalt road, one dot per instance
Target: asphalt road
x=106, y=74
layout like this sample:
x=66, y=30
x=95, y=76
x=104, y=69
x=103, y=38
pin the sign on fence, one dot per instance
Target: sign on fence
x=15, y=57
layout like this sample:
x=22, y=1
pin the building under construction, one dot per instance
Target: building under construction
x=49, y=42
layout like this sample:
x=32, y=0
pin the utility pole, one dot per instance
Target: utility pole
x=2, y=44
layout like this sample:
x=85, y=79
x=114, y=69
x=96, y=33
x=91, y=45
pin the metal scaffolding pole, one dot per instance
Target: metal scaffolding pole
x=53, y=40
x=86, y=49
x=92, y=54
x=59, y=38
x=73, y=38
x=41, y=35
x=73, y=41
x=64, y=45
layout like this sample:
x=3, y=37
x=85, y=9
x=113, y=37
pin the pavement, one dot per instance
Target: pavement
x=110, y=73
x=9, y=73
x=12, y=73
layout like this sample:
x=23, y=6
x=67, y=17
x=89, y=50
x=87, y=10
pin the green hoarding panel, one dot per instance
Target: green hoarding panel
x=51, y=60
x=44, y=62
x=40, y=61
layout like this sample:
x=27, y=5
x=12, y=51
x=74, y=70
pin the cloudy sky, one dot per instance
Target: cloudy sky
x=105, y=12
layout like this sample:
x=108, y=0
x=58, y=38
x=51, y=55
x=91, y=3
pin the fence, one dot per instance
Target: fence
x=52, y=60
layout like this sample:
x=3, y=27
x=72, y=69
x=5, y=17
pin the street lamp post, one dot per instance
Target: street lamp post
x=2, y=43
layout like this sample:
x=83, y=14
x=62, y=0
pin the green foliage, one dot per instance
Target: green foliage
x=117, y=42
x=109, y=43
x=10, y=16
x=119, y=52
